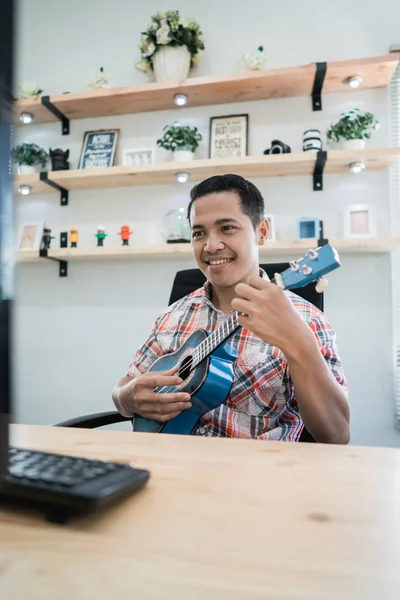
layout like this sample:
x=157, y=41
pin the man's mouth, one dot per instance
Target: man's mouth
x=218, y=261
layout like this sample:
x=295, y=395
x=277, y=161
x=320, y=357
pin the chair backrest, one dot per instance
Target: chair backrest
x=189, y=280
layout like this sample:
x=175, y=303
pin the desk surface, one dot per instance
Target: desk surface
x=219, y=518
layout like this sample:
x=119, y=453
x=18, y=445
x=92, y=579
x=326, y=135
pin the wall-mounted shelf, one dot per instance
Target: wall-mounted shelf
x=293, y=249
x=202, y=91
x=250, y=166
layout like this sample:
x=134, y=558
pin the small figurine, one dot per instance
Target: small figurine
x=73, y=237
x=278, y=147
x=312, y=140
x=253, y=61
x=99, y=80
x=59, y=160
x=101, y=235
x=46, y=239
x=125, y=234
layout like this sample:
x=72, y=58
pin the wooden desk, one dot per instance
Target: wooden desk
x=219, y=518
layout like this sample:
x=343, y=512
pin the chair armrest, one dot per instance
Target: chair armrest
x=94, y=420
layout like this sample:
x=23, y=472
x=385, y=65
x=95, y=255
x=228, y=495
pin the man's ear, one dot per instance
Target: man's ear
x=262, y=231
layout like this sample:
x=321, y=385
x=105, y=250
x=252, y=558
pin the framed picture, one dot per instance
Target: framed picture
x=30, y=236
x=359, y=221
x=271, y=221
x=229, y=136
x=138, y=156
x=307, y=228
x=99, y=149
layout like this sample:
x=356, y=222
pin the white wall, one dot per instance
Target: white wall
x=75, y=336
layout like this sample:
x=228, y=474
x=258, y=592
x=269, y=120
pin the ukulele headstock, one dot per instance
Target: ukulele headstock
x=311, y=267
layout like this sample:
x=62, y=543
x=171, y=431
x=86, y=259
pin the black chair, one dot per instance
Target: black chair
x=185, y=282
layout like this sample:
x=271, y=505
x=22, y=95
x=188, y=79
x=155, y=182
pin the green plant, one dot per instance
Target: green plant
x=353, y=125
x=180, y=137
x=167, y=28
x=28, y=153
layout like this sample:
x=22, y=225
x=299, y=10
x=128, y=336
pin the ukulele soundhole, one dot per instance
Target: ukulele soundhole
x=185, y=366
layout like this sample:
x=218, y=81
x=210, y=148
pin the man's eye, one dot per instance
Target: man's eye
x=197, y=234
x=227, y=227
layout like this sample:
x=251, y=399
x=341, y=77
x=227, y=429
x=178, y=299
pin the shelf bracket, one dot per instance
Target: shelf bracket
x=64, y=121
x=63, y=265
x=63, y=191
x=318, y=170
x=321, y=240
x=320, y=72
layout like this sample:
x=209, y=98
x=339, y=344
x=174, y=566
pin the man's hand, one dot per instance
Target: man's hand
x=270, y=315
x=138, y=396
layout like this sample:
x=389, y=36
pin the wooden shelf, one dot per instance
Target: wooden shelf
x=203, y=91
x=293, y=249
x=250, y=166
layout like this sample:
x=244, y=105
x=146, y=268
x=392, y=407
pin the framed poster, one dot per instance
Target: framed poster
x=359, y=221
x=229, y=136
x=30, y=236
x=99, y=149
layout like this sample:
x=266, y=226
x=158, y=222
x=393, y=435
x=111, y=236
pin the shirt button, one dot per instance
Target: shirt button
x=202, y=429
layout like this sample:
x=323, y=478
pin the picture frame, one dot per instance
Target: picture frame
x=99, y=149
x=307, y=228
x=272, y=231
x=30, y=236
x=229, y=136
x=359, y=221
x=138, y=156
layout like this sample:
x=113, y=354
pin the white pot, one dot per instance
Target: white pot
x=182, y=155
x=171, y=63
x=353, y=144
x=26, y=169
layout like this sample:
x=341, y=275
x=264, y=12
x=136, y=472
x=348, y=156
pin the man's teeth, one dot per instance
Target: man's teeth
x=219, y=262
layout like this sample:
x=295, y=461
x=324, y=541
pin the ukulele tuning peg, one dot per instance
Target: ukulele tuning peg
x=321, y=285
x=313, y=254
x=294, y=265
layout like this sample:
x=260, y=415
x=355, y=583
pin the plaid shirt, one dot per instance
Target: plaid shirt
x=262, y=402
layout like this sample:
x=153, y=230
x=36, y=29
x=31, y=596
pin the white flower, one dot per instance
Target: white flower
x=150, y=49
x=99, y=80
x=163, y=35
x=143, y=65
x=253, y=60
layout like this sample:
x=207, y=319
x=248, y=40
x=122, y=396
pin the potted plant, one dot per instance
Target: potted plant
x=181, y=140
x=353, y=127
x=29, y=158
x=170, y=46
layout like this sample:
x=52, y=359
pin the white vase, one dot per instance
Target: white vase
x=182, y=155
x=353, y=144
x=171, y=63
x=26, y=169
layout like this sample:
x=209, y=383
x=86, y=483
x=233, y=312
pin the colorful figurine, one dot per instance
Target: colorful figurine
x=46, y=239
x=73, y=237
x=101, y=235
x=125, y=234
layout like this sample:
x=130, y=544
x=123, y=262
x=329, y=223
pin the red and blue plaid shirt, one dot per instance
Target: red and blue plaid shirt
x=262, y=402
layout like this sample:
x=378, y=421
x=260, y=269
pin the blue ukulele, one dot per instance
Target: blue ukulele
x=205, y=361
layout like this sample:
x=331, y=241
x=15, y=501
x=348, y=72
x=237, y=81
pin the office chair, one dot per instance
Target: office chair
x=185, y=282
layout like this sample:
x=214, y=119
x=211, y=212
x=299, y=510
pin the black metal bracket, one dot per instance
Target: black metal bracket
x=321, y=240
x=64, y=121
x=53, y=184
x=320, y=72
x=318, y=170
x=63, y=265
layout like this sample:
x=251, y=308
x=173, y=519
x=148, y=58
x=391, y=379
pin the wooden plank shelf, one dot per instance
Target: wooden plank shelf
x=292, y=249
x=216, y=89
x=274, y=165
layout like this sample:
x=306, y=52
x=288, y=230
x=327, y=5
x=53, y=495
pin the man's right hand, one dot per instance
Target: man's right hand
x=137, y=395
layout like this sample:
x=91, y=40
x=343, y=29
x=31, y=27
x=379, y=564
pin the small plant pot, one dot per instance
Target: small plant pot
x=26, y=169
x=353, y=144
x=171, y=63
x=182, y=155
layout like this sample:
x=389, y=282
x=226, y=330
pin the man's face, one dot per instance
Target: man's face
x=224, y=242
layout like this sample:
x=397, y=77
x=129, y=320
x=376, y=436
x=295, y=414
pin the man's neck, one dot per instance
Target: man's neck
x=222, y=297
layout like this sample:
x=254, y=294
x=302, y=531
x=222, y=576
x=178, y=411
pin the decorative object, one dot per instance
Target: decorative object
x=176, y=227
x=99, y=149
x=170, y=46
x=59, y=159
x=99, y=80
x=46, y=239
x=125, y=234
x=272, y=233
x=138, y=157
x=29, y=158
x=100, y=235
x=182, y=140
x=30, y=236
x=307, y=228
x=353, y=127
x=277, y=147
x=29, y=90
x=253, y=61
x=312, y=140
x=73, y=237
x=229, y=136
x=359, y=221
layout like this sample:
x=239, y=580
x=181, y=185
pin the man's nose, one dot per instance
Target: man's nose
x=213, y=244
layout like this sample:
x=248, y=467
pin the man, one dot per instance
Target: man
x=288, y=372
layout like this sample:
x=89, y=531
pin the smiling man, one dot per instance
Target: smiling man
x=288, y=372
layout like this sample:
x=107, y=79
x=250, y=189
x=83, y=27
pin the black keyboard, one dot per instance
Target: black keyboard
x=68, y=481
